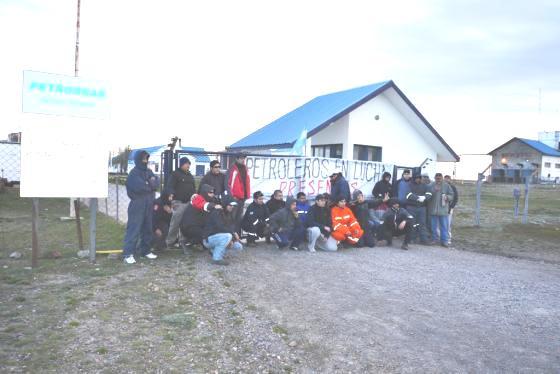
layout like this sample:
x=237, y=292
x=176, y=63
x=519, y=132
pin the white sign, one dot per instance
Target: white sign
x=55, y=94
x=311, y=174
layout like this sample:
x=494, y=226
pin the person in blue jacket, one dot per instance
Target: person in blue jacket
x=302, y=207
x=140, y=188
x=339, y=186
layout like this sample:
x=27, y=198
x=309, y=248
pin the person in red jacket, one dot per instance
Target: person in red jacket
x=345, y=226
x=239, y=185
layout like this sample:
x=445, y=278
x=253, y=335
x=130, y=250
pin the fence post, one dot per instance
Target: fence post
x=117, y=195
x=92, y=227
x=516, y=196
x=79, y=224
x=35, y=233
x=526, y=208
x=478, y=193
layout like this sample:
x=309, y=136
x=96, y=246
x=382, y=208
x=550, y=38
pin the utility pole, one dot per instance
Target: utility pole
x=77, y=52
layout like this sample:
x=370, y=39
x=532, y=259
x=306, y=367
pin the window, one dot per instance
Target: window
x=327, y=150
x=547, y=164
x=367, y=153
x=557, y=166
x=199, y=170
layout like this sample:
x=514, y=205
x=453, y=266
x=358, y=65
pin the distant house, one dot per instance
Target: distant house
x=372, y=123
x=200, y=164
x=519, y=158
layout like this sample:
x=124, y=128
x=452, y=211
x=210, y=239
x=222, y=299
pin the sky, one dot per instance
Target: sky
x=212, y=72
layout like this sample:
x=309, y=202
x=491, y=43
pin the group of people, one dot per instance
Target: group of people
x=214, y=216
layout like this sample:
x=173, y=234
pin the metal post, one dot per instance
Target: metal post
x=478, y=193
x=92, y=227
x=516, y=196
x=77, y=50
x=35, y=233
x=79, y=224
x=526, y=208
x=117, y=196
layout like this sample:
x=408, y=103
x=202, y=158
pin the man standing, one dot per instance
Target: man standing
x=239, y=185
x=438, y=206
x=216, y=179
x=180, y=189
x=454, y=202
x=416, y=203
x=427, y=181
x=402, y=187
x=140, y=188
x=340, y=189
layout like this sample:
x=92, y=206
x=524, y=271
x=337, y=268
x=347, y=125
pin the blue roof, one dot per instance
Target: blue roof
x=157, y=148
x=312, y=116
x=541, y=147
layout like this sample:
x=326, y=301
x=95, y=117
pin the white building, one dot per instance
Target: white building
x=371, y=123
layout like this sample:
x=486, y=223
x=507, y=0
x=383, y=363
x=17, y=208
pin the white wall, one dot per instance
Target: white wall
x=336, y=133
x=552, y=170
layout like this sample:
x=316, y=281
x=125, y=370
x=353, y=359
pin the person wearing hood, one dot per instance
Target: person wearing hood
x=219, y=231
x=141, y=185
x=382, y=192
x=361, y=208
x=276, y=202
x=339, y=186
x=161, y=219
x=180, y=188
x=286, y=227
x=196, y=213
x=396, y=222
x=216, y=179
x=319, y=226
x=256, y=220
x=239, y=186
x=417, y=200
x=402, y=187
x=345, y=226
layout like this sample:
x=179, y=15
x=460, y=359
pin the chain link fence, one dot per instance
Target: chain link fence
x=9, y=163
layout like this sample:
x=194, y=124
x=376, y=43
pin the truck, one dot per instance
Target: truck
x=10, y=164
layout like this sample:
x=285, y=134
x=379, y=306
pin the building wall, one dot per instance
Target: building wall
x=552, y=172
x=336, y=133
x=515, y=153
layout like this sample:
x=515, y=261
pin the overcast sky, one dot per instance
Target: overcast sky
x=213, y=71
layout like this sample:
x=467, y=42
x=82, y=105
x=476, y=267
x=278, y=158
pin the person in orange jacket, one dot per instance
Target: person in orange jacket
x=345, y=226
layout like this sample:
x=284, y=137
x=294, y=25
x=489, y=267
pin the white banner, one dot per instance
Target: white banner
x=311, y=174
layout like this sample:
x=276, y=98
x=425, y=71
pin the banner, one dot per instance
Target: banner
x=311, y=174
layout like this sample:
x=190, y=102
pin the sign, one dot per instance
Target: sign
x=311, y=174
x=45, y=93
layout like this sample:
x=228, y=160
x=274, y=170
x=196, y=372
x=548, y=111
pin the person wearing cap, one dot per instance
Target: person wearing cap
x=196, y=214
x=219, y=231
x=162, y=213
x=345, y=226
x=276, y=202
x=339, y=186
x=416, y=202
x=361, y=208
x=402, y=187
x=180, y=188
x=239, y=186
x=141, y=185
x=286, y=228
x=319, y=226
x=256, y=218
x=216, y=179
x=397, y=221
x=438, y=206
x=382, y=192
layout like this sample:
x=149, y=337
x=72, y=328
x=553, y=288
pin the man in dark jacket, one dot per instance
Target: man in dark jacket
x=219, y=231
x=339, y=187
x=216, y=179
x=161, y=220
x=397, y=221
x=255, y=220
x=239, y=186
x=416, y=202
x=382, y=192
x=453, y=202
x=180, y=188
x=286, y=227
x=402, y=187
x=196, y=213
x=140, y=188
x=319, y=226
x=276, y=202
x=360, y=207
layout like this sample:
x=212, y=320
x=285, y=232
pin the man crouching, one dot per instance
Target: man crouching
x=396, y=222
x=220, y=231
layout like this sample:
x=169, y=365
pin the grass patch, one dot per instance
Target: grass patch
x=74, y=324
x=185, y=320
x=277, y=329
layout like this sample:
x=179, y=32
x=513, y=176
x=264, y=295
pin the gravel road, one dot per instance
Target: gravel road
x=428, y=309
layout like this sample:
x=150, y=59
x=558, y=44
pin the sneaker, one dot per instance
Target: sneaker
x=151, y=256
x=294, y=248
x=404, y=246
x=220, y=262
x=129, y=260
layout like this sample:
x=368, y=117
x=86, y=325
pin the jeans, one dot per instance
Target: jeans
x=292, y=238
x=450, y=220
x=443, y=223
x=178, y=211
x=419, y=213
x=218, y=244
x=316, y=240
